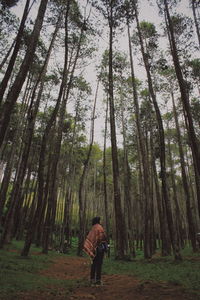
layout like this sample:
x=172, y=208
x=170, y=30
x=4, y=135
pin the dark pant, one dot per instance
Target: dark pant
x=95, y=273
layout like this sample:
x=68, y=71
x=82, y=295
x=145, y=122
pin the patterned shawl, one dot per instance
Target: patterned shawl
x=93, y=239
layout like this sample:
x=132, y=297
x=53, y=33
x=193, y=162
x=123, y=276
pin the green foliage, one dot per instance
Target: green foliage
x=105, y=7
x=81, y=84
x=9, y=3
x=195, y=66
x=8, y=26
x=75, y=14
x=148, y=29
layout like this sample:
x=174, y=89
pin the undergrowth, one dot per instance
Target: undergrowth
x=22, y=274
x=185, y=273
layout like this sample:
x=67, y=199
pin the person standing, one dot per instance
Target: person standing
x=95, y=246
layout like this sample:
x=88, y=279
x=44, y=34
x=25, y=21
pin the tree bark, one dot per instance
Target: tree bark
x=175, y=196
x=7, y=54
x=105, y=176
x=82, y=206
x=164, y=232
x=127, y=191
x=65, y=94
x=190, y=217
x=121, y=240
x=6, y=178
x=196, y=22
x=18, y=40
x=145, y=173
x=194, y=143
x=13, y=94
x=34, y=107
x=173, y=234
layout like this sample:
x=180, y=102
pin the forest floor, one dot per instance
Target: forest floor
x=122, y=287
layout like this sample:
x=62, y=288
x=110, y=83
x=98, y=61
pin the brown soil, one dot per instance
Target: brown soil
x=115, y=287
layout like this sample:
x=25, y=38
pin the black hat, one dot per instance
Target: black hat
x=96, y=220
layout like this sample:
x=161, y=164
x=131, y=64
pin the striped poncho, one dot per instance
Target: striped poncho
x=93, y=239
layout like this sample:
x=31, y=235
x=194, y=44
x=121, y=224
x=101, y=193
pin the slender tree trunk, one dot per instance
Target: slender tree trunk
x=35, y=220
x=173, y=234
x=22, y=218
x=7, y=175
x=7, y=54
x=66, y=226
x=34, y=108
x=32, y=113
x=121, y=240
x=175, y=196
x=145, y=173
x=82, y=204
x=18, y=40
x=196, y=22
x=127, y=190
x=105, y=176
x=17, y=185
x=15, y=197
x=17, y=218
x=61, y=103
x=151, y=191
x=13, y=94
x=42, y=208
x=164, y=233
x=140, y=215
x=194, y=143
x=63, y=94
x=190, y=216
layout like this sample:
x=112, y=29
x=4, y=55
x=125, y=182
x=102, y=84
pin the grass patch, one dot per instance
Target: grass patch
x=18, y=274
x=21, y=274
x=185, y=273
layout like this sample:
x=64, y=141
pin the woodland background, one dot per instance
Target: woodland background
x=144, y=178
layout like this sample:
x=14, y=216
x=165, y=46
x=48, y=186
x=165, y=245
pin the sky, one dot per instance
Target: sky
x=146, y=12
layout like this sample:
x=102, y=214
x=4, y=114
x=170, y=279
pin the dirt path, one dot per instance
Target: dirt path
x=116, y=287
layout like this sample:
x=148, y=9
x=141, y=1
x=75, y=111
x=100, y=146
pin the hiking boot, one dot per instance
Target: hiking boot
x=98, y=283
x=92, y=282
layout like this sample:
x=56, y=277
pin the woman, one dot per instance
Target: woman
x=94, y=246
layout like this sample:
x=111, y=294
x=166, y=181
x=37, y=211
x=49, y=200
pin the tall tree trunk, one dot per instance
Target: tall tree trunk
x=127, y=190
x=151, y=190
x=82, y=205
x=23, y=211
x=175, y=196
x=61, y=104
x=105, y=176
x=31, y=116
x=173, y=234
x=190, y=216
x=66, y=226
x=196, y=22
x=42, y=206
x=164, y=233
x=7, y=55
x=194, y=143
x=121, y=240
x=18, y=181
x=13, y=94
x=145, y=173
x=34, y=108
x=18, y=40
x=7, y=176
x=64, y=93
